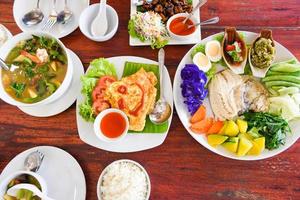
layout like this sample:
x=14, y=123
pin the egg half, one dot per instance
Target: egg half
x=213, y=50
x=202, y=61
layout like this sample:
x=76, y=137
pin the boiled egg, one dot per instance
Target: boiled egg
x=213, y=50
x=202, y=61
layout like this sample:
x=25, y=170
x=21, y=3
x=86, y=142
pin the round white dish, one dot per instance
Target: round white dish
x=5, y=50
x=7, y=179
x=180, y=37
x=66, y=100
x=97, y=128
x=8, y=34
x=90, y=13
x=132, y=142
x=100, y=180
x=59, y=30
x=281, y=54
x=62, y=173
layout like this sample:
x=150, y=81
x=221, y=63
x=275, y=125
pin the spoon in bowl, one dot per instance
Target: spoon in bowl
x=99, y=25
x=33, y=17
x=14, y=190
x=3, y=65
x=162, y=109
x=213, y=20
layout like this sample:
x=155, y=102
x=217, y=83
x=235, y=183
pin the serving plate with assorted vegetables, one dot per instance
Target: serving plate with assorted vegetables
x=148, y=22
x=238, y=94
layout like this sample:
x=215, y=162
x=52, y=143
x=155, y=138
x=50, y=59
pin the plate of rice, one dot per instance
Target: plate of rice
x=124, y=180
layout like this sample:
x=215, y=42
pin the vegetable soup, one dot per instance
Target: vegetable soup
x=37, y=69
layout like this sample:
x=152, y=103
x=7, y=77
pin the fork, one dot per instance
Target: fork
x=52, y=19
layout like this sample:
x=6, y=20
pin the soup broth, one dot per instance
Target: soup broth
x=37, y=69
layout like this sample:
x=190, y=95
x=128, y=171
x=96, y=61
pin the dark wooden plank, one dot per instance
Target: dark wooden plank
x=180, y=168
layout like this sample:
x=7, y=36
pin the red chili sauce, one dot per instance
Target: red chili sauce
x=113, y=125
x=179, y=28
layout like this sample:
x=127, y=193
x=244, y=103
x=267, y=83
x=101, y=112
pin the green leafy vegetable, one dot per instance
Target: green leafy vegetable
x=98, y=68
x=18, y=88
x=274, y=128
x=211, y=73
x=197, y=49
x=219, y=37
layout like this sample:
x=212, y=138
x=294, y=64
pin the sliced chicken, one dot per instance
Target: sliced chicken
x=231, y=94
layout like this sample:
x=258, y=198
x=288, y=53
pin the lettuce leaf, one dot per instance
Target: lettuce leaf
x=197, y=49
x=101, y=67
x=98, y=68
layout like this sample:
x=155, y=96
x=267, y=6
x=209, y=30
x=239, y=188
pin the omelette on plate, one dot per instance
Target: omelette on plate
x=135, y=95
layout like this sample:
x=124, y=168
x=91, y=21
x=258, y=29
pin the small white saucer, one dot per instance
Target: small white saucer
x=65, y=101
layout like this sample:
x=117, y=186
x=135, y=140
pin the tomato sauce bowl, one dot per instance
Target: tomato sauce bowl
x=111, y=125
x=178, y=30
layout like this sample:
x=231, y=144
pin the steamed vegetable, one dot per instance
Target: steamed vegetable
x=274, y=128
x=98, y=68
x=193, y=87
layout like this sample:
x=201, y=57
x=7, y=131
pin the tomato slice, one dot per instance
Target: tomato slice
x=98, y=93
x=105, y=81
x=122, y=89
x=230, y=47
x=121, y=103
x=100, y=105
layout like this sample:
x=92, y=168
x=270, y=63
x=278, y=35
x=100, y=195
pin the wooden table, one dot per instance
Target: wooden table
x=180, y=168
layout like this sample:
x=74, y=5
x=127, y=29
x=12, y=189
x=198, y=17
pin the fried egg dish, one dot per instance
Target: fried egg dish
x=135, y=95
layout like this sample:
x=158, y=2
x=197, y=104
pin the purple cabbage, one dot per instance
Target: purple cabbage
x=193, y=87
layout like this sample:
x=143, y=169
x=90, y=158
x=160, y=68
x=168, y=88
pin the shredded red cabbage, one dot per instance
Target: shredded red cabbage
x=193, y=87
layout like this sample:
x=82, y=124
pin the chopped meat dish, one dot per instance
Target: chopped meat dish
x=167, y=8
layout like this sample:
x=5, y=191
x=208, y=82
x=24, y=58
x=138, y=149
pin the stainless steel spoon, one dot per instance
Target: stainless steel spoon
x=200, y=3
x=65, y=15
x=213, y=20
x=33, y=17
x=162, y=109
x=33, y=161
x=3, y=65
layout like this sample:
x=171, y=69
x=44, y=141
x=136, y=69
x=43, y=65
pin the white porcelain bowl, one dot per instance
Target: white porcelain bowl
x=180, y=37
x=97, y=128
x=9, y=45
x=100, y=180
x=4, y=183
x=90, y=13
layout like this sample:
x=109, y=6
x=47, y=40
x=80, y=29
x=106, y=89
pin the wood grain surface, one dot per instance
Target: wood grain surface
x=180, y=168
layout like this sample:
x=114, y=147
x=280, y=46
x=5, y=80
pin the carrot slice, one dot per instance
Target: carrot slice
x=30, y=56
x=203, y=126
x=199, y=114
x=216, y=127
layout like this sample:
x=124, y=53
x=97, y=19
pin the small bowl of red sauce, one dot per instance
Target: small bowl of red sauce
x=111, y=125
x=179, y=30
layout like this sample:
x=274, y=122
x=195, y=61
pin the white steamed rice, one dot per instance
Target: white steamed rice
x=124, y=181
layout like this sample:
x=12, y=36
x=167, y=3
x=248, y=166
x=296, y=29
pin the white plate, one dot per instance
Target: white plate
x=62, y=173
x=20, y=8
x=281, y=54
x=65, y=101
x=194, y=39
x=132, y=142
